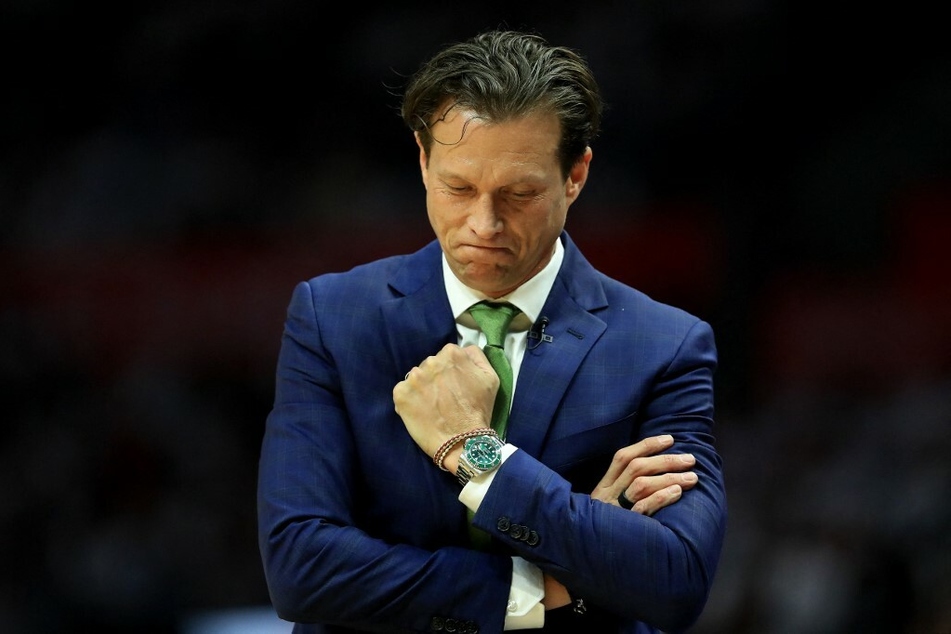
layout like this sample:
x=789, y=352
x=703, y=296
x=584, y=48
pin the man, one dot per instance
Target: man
x=525, y=522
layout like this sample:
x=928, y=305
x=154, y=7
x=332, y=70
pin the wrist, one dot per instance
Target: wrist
x=451, y=462
x=454, y=445
x=480, y=454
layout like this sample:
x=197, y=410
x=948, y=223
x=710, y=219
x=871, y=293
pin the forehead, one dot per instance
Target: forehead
x=463, y=137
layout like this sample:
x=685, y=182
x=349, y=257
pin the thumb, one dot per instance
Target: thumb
x=478, y=357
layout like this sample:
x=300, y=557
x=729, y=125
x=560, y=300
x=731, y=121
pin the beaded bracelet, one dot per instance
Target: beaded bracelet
x=440, y=456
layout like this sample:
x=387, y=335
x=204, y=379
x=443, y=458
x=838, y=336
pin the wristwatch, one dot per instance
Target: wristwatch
x=480, y=454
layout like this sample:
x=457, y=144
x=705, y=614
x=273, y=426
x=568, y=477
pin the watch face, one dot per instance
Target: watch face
x=483, y=452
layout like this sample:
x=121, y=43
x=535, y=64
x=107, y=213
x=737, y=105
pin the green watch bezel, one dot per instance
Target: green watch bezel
x=480, y=454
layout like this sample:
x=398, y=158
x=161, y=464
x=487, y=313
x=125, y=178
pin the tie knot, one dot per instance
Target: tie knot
x=494, y=320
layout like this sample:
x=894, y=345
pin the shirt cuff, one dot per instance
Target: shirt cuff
x=524, y=609
x=474, y=492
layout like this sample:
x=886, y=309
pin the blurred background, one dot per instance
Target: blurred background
x=169, y=170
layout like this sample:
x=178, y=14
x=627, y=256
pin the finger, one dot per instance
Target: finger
x=656, y=501
x=687, y=480
x=653, y=465
x=477, y=356
x=400, y=392
x=644, y=486
x=436, y=363
x=644, y=476
x=648, y=446
x=623, y=457
x=421, y=369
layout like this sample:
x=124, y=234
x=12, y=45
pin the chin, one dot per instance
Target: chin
x=484, y=284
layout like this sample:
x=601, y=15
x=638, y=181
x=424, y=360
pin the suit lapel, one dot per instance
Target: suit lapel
x=418, y=320
x=548, y=367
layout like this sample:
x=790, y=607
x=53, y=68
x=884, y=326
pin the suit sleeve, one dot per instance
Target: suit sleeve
x=656, y=569
x=319, y=565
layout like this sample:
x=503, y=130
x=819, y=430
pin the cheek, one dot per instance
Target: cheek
x=447, y=212
x=441, y=220
x=540, y=226
x=434, y=218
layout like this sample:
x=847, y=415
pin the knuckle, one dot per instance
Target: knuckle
x=672, y=461
x=620, y=457
x=636, y=467
x=641, y=487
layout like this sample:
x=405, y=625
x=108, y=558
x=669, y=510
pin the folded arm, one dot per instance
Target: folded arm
x=657, y=569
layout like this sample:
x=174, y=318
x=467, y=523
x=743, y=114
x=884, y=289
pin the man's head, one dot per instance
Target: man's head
x=502, y=75
x=503, y=123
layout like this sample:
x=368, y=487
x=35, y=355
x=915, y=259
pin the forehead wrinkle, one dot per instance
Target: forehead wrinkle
x=509, y=169
x=481, y=153
x=526, y=164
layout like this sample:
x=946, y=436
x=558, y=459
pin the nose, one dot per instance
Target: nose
x=484, y=219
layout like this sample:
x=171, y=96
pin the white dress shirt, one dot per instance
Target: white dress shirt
x=524, y=608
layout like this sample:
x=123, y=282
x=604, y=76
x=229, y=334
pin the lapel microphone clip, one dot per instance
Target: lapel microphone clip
x=537, y=333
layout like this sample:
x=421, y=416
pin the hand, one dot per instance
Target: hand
x=556, y=594
x=449, y=393
x=648, y=480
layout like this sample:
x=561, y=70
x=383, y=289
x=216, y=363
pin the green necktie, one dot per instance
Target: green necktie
x=494, y=321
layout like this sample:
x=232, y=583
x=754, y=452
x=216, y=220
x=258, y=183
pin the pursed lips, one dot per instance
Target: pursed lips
x=483, y=247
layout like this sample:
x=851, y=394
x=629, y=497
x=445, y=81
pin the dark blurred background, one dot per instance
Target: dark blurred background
x=169, y=170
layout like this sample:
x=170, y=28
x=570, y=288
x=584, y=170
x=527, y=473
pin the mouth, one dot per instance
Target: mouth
x=482, y=254
x=484, y=248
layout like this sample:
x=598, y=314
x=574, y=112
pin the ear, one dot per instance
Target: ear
x=423, y=160
x=578, y=176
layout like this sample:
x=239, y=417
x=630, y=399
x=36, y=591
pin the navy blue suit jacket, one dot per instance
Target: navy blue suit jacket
x=359, y=531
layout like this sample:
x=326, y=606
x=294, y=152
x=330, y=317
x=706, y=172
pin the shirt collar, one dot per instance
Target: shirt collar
x=530, y=297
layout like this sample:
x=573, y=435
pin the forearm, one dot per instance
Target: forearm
x=343, y=577
x=657, y=570
x=321, y=566
x=338, y=547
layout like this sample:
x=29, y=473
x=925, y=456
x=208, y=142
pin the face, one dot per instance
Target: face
x=496, y=199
